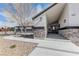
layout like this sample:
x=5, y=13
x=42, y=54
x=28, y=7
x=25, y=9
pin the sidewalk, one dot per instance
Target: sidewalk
x=50, y=47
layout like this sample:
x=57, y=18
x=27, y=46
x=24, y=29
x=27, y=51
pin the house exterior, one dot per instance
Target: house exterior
x=69, y=23
x=61, y=18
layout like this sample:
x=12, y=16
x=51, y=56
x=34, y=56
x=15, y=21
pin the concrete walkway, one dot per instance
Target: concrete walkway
x=50, y=47
x=55, y=36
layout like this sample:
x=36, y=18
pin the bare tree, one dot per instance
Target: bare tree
x=19, y=12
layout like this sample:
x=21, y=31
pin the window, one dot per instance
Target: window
x=73, y=14
x=64, y=20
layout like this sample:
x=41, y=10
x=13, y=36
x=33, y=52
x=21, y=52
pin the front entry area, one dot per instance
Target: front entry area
x=53, y=28
x=53, y=32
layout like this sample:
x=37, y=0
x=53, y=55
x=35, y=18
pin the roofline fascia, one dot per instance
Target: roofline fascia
x=44, y=10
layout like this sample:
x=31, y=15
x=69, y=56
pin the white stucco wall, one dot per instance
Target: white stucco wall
x=74, y=14
x=41, y=22
x=64, y=18
x=71, y=15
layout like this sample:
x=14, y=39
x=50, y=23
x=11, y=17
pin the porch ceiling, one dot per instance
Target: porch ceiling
x=54, y=13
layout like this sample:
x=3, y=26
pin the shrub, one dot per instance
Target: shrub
x=12, y=46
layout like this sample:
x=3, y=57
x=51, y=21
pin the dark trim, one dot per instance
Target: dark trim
x=69, y=27
x=27, y=36
x=44, y=10
x=38, y=27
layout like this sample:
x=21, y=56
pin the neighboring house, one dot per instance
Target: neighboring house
x=59, y=18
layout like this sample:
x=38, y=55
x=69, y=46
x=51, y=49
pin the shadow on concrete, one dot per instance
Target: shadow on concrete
x=60, y=50
x=55, y=36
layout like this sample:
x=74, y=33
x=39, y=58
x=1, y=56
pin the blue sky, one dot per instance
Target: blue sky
x=3, y=6
x=2, y=18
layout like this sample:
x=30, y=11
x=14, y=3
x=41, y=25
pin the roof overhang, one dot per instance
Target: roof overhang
x=53, y=12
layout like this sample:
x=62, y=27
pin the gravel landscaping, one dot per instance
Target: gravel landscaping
x=15, y=48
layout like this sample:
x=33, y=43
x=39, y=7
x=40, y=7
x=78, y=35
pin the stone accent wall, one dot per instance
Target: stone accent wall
x=71, y=34
x=68, y=33
x=39, y=33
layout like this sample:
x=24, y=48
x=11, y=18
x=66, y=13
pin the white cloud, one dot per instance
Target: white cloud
x=8, y=24
x=2, y=14
x=39, y=8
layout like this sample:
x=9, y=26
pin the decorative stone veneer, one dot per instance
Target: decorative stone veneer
x=39, y=33
x=66, y=33
x=71, y=34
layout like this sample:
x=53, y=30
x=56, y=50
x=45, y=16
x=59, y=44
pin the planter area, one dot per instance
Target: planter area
x=15, y=48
